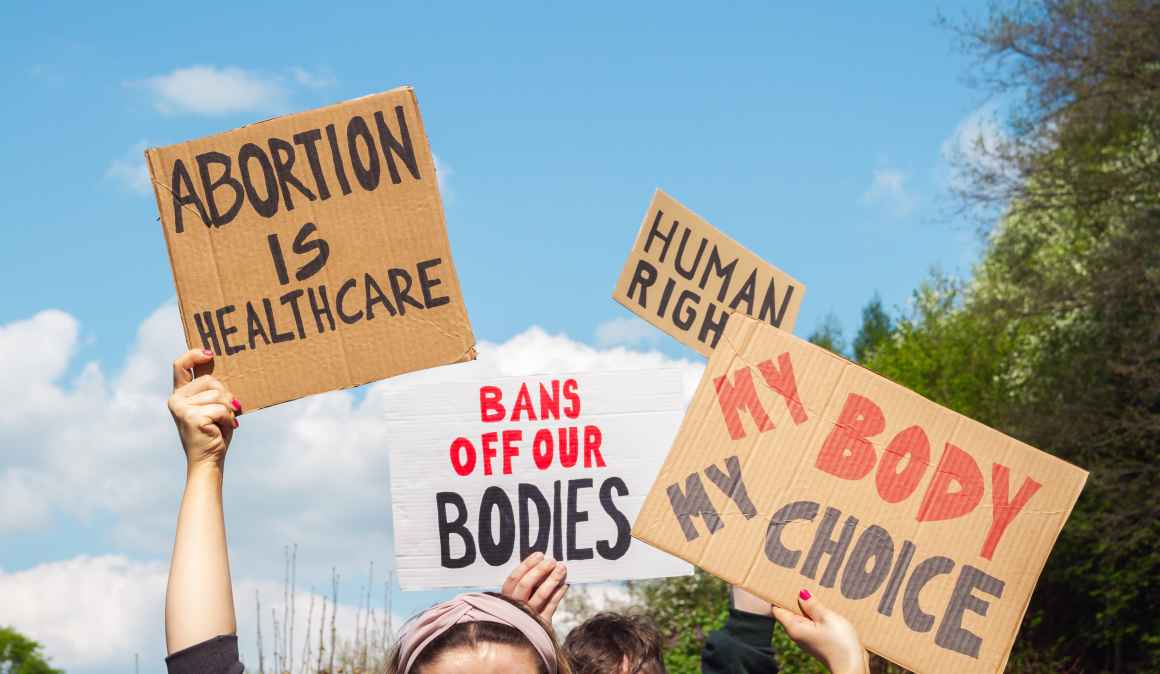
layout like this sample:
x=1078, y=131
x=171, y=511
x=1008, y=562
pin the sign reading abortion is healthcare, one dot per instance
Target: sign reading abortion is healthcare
x=797, y=468
x=484, y=473
x=309, y=251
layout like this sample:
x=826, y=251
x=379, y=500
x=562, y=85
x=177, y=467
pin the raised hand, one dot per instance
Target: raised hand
x=199, y=600
x=539, y=581
x=824, y=634
x=203, y=409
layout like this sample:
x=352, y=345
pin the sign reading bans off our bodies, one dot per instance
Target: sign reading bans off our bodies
x=484, y=473
x=309, y=251
x=686, y=277
x=797, y=468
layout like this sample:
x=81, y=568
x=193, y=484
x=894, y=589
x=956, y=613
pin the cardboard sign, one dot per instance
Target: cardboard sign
x=309, y=251
x=484, y=473
x=686, y=277
x=797, y=468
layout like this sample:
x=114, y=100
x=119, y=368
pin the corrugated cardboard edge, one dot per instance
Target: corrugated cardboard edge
x=847, y=364
x=1039, y=572
x=470, y=353
x=154, y=175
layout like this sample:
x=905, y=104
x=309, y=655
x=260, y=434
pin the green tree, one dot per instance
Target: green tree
x=688, y=608
x=952, y=356
x=876, y=329
x=828, y=335
x=1071, y=282
x=21, y=655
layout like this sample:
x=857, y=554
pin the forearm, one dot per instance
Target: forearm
x=199, y=601
x=743, y=600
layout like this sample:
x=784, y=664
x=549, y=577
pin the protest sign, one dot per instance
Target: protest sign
x=686, y=277
x=309, y=251
x=797, y=468
x=485, y=472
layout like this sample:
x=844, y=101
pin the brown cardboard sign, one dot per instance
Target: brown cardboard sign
x=309, y=251
x=795, y=468
x=686, y=277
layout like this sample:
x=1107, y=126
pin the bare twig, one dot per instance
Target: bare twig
x=321, y=640
x=306, y=641
x=290, y=625
x=261, y=654
x=333, y=612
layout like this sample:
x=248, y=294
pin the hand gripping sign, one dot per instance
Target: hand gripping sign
x=485, y=472
x=796, y=468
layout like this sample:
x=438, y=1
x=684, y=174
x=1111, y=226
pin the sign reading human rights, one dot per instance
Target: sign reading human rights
x=687, y=277
x=484, y=473
x=797, y=468
x=309, y=251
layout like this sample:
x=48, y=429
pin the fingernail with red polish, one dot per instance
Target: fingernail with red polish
x=207, y=352
x=805, y=595
x=236, y=405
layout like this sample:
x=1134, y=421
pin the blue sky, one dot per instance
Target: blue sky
x=814, y=138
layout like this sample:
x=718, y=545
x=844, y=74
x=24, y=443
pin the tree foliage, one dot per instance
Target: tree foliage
x=1081, y=78
x=876, y=328
x=1071, y=280
x=21, y=655
x=828, y=335
x=688, y=608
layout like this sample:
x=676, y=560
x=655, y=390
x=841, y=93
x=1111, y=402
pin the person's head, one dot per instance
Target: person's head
x=611, y=643
x=478, y=632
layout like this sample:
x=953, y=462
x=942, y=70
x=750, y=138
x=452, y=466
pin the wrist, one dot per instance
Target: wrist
x=850, y=664
x=204, y=473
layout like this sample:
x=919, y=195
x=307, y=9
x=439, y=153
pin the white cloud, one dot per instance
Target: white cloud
x=973, y=143
x=208, y=90
x=95, y=613
x=318, y=79
x=626, y=331
x=888, y=191
x=212, y=90
x=88, y=611
x=443, y=173
x=130, y=171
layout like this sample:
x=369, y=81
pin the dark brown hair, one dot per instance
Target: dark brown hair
x=604, y=643
x=471, y=634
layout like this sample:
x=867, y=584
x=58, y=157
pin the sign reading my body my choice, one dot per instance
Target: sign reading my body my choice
x=797, y=468
x=483, y=473
x=309, y=251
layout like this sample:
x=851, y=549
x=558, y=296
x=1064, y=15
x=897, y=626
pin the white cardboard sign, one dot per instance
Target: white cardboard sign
x=485, y=472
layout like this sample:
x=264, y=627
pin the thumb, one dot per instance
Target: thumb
x=811, y=606
x=788, y=619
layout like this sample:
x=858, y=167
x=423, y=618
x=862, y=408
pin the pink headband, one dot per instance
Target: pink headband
x=471, y=607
